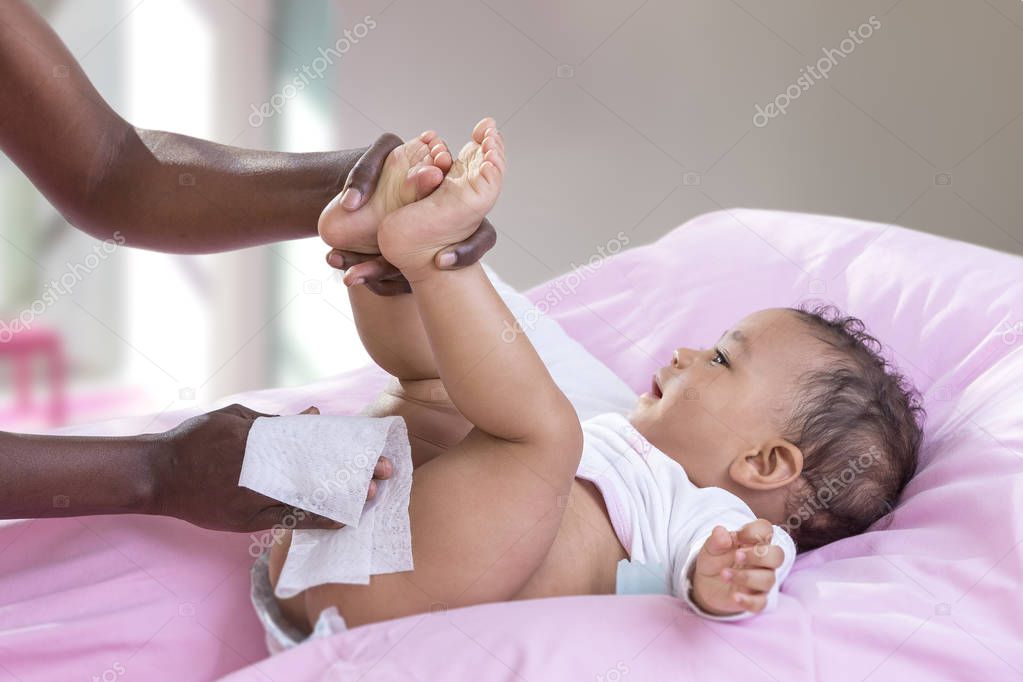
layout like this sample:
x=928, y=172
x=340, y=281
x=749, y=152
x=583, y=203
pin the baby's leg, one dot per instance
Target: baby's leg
x=484, y=514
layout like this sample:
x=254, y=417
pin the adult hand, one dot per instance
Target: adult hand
x=384, y=279
x=380, y=276
x=196, y=477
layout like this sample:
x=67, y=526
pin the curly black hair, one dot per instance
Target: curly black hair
x=858, y=424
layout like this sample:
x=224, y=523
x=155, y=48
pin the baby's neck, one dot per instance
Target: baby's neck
x=765, y=504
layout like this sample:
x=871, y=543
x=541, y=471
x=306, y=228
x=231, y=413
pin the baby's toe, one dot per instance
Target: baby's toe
x=492, y=143
x=481, y=128
x=490, y=172
x=441, y=156
x=418, y=149
x=425, y=179
x=495, y=157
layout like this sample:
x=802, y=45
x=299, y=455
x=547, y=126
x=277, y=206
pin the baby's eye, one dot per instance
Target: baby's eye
x=719, y=358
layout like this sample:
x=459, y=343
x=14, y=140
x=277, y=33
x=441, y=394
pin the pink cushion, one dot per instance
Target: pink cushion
x=935, y=593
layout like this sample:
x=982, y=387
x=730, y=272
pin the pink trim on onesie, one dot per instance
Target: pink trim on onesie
x=620, y=520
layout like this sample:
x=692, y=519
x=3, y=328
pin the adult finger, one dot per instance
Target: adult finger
x=383, y=469
x=239, y=410
x=344, y=260
x=365, y=174
x=389, y=287
x=468, y=251
x=374, y=270
x=380, y=276
x=288, y=517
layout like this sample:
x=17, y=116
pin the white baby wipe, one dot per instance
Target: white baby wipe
x=324, y=464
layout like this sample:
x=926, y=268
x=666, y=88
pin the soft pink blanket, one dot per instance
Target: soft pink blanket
x=933, y=594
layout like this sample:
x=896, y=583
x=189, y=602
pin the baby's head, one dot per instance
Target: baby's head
x=795, y=412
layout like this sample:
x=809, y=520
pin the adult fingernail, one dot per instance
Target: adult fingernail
x=446, y=260
x=350, y=198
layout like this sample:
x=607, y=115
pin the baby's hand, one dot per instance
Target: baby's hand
x=735, y=571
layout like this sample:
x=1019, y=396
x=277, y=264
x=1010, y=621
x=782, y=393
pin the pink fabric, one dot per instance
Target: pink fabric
x=935, y=593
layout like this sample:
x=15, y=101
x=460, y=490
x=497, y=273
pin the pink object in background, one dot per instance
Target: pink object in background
x=932, y=593
x=23, y=348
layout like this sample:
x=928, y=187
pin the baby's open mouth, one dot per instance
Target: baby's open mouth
x=655, y=388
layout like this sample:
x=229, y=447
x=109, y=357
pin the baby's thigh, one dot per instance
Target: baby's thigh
x=482, y=522
x=293, y=608
x=434, y=424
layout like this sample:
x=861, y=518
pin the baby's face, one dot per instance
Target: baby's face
x=710, y=406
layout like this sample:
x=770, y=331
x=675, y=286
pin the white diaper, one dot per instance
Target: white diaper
x=280, y=634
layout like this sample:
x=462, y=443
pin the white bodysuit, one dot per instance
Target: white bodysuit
x=661, y=518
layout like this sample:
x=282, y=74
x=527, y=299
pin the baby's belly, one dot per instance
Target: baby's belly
x=585, y=554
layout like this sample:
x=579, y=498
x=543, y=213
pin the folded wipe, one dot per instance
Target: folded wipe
x=324, y=464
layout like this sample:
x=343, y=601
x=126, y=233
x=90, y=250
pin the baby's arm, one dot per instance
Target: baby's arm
x=735, y=574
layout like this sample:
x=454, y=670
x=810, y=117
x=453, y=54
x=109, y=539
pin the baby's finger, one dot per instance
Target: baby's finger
x=383, y=469
x=754, y=603
x=717, y=553
x=764, y=556
x=752, y=580
x=312, y=409
x=756, y=532
x=372, y=492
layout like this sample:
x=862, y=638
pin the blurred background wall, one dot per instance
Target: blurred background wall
x=629, y=116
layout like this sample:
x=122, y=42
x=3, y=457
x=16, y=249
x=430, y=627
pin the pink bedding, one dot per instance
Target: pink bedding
x=933, y=594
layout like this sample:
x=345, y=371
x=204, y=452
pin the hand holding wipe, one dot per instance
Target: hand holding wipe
x=325, y=464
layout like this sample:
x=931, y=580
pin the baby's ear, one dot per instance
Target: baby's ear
x=773, y=465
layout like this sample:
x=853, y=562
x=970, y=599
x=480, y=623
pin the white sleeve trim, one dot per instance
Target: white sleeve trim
x=779, y=538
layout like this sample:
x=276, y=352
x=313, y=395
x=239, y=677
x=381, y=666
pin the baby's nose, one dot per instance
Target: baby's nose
x=682, y=357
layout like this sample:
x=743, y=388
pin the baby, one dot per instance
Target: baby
x=703, y=492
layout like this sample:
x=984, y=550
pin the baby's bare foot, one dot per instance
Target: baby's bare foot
x=411, y=236
x=411, y=171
